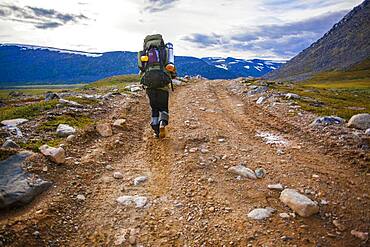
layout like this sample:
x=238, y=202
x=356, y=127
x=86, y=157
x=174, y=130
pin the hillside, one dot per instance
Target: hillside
x=21, y=64
x=345, y=45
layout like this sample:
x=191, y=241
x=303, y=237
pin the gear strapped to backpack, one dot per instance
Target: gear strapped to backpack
x=152, y=61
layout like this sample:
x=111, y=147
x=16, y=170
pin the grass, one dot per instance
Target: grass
x=35, y=144
x=83, y=101
x=342, y=93
x=74, y=121
x=119, y=82
x=4, y=93
x=29, y=111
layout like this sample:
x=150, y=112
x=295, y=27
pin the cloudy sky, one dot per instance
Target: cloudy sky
x=274, y=29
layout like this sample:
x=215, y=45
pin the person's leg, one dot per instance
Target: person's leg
x=154, y=122
x=163, y=106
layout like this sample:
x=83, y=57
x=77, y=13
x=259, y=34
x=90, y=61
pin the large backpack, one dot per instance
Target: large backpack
x=154, y=74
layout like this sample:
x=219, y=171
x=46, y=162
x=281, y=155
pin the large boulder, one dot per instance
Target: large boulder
x=104, y=129
x=360, y=121
x=65, y=130
x=56, y=155
x=299, y=203
x=17, y=187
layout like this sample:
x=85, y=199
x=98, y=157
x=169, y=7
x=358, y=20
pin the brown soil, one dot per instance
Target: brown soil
x=192, y=199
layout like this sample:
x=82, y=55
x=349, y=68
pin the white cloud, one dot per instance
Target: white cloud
x=122, y=25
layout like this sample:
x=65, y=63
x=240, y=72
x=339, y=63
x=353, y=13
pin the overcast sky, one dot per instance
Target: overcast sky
x=274, y=29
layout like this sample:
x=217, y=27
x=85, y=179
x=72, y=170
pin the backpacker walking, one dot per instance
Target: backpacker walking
x=157, y=69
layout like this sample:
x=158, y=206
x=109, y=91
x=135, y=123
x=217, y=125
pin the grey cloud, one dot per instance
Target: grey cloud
x=158, y=5
x=282, y=40
x=41, y=18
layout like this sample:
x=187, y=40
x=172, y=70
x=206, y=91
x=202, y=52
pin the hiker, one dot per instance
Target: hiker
x=157, y=69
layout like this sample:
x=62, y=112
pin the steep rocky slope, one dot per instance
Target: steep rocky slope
x=345, y=45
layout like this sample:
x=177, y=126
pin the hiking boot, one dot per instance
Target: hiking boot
x=156, y=130
x=162, y=129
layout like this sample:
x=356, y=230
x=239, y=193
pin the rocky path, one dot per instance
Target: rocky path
x=179, y=192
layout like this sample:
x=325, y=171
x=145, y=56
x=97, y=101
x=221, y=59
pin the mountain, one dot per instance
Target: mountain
x=21, y=64
x=345, y=46
x=244, y=68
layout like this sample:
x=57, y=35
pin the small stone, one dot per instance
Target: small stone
x=284, y=215
x=242, y=171
x=140, y=201
x=119, y=123
x=260, y=172
x=324, y=202
x=117, y=175
x=81, y=197
x=65, y=130
x=104, y=129
x=367, y=132
x=36, y=233
x=315, y=176
x=260, y=100
x=109, y=168
x=70, y=103
x=361, y=235
x=70, y=138
x=10, y=144
x=204, y=150
x=301, y=204
x=132, y=239
x=279, y=187
x=139, y=180
x=211, y=209
x=338, y=225
x=261, y=213
x=292, y=96
x=45, y=169
x=193, y=150
x=221, y=140
x=56, y=155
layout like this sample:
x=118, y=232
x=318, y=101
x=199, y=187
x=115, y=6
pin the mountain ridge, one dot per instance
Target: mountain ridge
x=20, y=64
x=343, y=46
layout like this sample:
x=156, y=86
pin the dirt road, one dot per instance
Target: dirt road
x=192, y=200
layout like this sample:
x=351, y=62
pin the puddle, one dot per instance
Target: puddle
x=270, y=138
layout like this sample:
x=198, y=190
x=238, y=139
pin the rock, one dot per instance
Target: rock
x=14, y=122
x=56, y=155
x=257, y=90
x=70, y=138
x=261, y=213
x=65, y=130
x=193, y=150
x=109, y=168
x=338, y=225
x=10, y=144
x=242, y=171
x=117, y=175
x=279, y=187
x=299, y=203
x=50, y=96
x=260, y=100
x=18, y=187
x=292, y=96
x=139, y=201
x=367, y=132
x=16, y=94
x=284, y=215
x=139, y=180
x=120, y=123
x=260, y=172
x=15, y=132
x=360, y=121
x=361, y=235
x=81, y=197
x=327, y=120
x=204, y=150
x=70, y=103
x=104, y=129
x=135, y=89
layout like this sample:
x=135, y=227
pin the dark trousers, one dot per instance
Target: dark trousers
x=158, y=100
